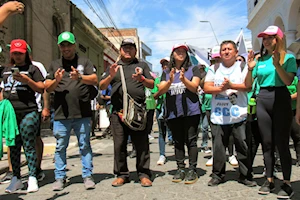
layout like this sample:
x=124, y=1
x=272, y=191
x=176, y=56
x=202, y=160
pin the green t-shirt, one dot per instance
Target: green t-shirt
x=206, y=102
x=255, y=87
x=266, y=73
x=161, y=98
x=293, y=89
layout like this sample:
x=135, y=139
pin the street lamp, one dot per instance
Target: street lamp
x=211, y=29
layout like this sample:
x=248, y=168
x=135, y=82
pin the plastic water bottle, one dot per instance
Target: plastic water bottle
x=252, y=106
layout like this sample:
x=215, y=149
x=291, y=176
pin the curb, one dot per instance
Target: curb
x=71, y=146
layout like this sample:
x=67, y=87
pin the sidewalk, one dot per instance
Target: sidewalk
x=162, y=188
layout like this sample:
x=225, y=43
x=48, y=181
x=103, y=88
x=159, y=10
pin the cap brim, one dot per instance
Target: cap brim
x=71, y=42
x=184, y=47
x=216, y=55
x=18, y=50
x=262, y=34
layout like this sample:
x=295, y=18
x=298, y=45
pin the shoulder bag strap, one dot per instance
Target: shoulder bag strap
x=124, y=88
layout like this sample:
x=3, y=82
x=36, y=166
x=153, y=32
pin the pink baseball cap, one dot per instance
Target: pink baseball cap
x=215, y=52
x=176, y=46
x=272, y=30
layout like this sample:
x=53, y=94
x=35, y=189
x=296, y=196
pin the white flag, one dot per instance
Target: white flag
x=198, y=55
x=240, y=43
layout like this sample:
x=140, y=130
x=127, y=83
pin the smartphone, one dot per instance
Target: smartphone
x=15, y=70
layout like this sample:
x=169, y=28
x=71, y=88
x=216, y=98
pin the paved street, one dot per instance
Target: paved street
x=162, y=188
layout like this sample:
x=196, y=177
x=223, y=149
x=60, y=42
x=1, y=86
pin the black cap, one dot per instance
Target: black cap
x=128, y=41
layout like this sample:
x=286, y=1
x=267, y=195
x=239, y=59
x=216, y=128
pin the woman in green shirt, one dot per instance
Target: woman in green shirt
x=274, y=70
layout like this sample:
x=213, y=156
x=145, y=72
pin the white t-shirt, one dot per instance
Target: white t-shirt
x=229, y=106
x=38, y=96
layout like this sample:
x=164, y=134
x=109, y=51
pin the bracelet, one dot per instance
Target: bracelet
x=142, y=78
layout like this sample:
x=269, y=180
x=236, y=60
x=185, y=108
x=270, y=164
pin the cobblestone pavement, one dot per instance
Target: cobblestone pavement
x=162, y=187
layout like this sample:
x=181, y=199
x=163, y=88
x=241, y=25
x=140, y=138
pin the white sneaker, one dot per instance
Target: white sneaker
x=161, y=160
x=15, y=184
x=151, y=137
x=32, y=185
x=233, y=161
x=209, y=163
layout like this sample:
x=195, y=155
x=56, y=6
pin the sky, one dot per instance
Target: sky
x=163, y=23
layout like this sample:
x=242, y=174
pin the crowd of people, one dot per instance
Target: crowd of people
x=243, y=101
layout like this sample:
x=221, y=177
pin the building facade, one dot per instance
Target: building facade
x=284, y=14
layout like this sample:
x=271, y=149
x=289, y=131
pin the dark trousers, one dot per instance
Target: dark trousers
x=253, y=141
x=184, y=131
x=150, y=115
x=139, y=139
x=295, y=135
x=274, y=115
x=221, y=134
x=28, y=127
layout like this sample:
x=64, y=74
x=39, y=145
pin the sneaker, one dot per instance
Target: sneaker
x=32, y=185
x=233, y=161
x=151, y=137
x=14, y=185
x=266, y=188
x=89, y=183
x=215, y=181
x=209, y=163
x=286, y=192
x=206, y=150
x=191, y=177
x=7, y=177
x=170, y=142
x=59, y=184
x=40, y=175
x=247, y=182
x=179, y=176
x=132, y=154
x=298, y=163
x=161, y=160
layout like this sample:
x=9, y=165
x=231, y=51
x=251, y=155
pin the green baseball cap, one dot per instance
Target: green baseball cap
x=66, y=37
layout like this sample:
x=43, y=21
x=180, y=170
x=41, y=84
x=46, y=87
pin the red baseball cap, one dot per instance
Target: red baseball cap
x=176, y=46
x=18, y=45
x=272, y=30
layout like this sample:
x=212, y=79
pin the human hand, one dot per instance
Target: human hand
x=181, y=76
x=138, y=75
x=251, y=62
x=58, y=75
x=226, y=84
x=113, y=69
x=21, y=77
x=14, y=7
x=172, y=72
x=74, y=74
x=45, y=114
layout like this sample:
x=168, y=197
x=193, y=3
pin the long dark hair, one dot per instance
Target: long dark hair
x=27, y=60
x=186, y=63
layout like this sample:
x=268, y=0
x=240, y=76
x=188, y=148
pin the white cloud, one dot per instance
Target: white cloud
x=179, y=22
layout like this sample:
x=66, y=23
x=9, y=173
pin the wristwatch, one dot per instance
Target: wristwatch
x=79, y=77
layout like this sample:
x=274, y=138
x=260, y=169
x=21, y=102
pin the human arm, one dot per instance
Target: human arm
x=46, y=106
x=35, y=86
x=10, y=8
x=144, y=77
x=50, y=85
x=164, y=85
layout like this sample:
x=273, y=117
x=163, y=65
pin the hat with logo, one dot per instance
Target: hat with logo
x=164, y=59
x=28, y=47
x=176, y=46
x=18, y=45
x=215, y=52
x=66, y=37
x=272, y=30
x=128, y=41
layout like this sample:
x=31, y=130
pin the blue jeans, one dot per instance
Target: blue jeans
x=163, y=130
x=204, y=130
x=61, y=131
